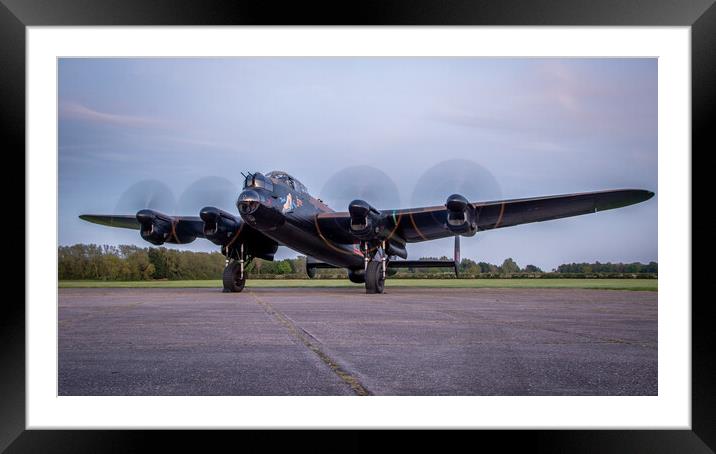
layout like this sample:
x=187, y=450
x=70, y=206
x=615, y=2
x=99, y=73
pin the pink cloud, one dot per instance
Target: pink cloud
x=81, y=112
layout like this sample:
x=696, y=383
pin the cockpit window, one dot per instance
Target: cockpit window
x=287, y=179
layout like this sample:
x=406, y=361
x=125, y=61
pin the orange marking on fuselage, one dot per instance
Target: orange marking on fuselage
x=370, y=249
x=236, y=235
x=415, y=226
x=499, y=218
x=397, y=223
x=390, y=235
x=325, y=240
x=174, y=230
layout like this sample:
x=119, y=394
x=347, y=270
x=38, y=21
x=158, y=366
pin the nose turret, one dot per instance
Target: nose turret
x=248, y=202
x=258, y=208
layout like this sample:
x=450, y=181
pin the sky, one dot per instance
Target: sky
x=175, y=135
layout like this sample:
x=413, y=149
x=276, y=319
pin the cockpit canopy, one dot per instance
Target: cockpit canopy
x=288, y=180
x=259, y=180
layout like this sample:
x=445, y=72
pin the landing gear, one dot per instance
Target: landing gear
x=375, y=269
x=374, y=278
x=234, y=277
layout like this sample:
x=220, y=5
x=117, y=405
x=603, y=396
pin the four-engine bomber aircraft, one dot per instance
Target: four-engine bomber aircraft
x=276, y=209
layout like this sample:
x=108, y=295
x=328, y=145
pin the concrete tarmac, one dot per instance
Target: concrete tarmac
x=295, y=341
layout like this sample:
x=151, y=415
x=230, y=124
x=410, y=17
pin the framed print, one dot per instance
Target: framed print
x=145, y=90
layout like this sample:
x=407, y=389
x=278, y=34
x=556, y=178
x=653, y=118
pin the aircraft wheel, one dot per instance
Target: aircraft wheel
x=356, y=277
x=232, y=278
x=374, y=280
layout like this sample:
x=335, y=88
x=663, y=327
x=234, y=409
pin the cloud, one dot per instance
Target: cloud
x=559, y=106
x=199, y=142
x=78, y=111
x=562, y=84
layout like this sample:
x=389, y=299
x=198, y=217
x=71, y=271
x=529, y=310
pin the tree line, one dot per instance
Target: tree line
x=597, y=267
x=132, y=263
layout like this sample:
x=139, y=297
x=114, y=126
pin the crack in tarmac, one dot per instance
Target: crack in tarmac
x=314, y=346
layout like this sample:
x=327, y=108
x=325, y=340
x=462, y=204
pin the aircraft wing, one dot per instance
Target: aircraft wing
x=224, y=229
x=186, y=225
x=429, y=223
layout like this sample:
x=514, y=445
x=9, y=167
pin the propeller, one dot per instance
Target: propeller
x=208, y=191
x=146, y=194
x=455, y=176
x=361, y=182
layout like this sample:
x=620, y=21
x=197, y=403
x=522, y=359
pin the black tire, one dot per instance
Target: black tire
x=232, y=278
x=374, y=280
x=357, y=277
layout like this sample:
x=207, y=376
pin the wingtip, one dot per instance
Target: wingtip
x=641, y=195
x=647, y=194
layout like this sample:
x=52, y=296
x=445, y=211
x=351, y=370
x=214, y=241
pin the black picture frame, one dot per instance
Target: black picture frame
x=16, y=15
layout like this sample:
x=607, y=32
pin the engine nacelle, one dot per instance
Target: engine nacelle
x=356, y=276
x=396, y=248
x=159, y=228
x=461, y=216
x=219, y=226
x=366, y=222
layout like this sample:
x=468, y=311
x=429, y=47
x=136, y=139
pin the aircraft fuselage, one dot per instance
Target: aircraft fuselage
x=288, y=216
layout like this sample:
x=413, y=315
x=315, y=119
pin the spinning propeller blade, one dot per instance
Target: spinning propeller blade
x=361, y=182
x=209, y=191
x=146, y=194
x=455, y=176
